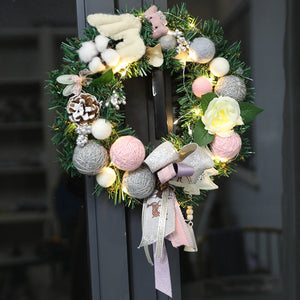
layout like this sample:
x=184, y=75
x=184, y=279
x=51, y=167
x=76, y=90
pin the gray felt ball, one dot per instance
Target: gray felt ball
x=168, y=42
x=139, y=183
x=202, y=50
x=90, y=159
x=231, y=86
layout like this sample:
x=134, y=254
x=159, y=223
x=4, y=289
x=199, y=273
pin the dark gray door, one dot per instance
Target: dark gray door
x=118, y=270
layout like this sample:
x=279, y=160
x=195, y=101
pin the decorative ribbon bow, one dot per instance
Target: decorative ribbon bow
x=74, y=82
x=162, y=217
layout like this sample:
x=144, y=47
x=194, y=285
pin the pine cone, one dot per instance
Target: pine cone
x=83, y=108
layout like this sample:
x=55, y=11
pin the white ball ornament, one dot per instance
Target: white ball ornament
x=101, y=42
x=111, y=57
x=202, y=50
x=101, y=129
x=219, y=66
x=87, y=51
x=96, y=65
x=106, y=177
x=168, y=42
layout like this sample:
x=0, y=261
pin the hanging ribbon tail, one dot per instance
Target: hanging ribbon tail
x=162, y=272
x=192, y=234
x=181, y=235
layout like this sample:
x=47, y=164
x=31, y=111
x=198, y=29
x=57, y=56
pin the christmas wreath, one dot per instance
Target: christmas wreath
x=213, y=112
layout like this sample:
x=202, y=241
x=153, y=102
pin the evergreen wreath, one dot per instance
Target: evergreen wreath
x=214, y=106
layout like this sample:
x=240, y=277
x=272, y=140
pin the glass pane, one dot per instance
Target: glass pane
x=42, y=219
x=238, y=228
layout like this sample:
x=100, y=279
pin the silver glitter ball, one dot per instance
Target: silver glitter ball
x=202, y=50
x=139, y=183
x=167, y=42
x=90, y=159
x=231, y=86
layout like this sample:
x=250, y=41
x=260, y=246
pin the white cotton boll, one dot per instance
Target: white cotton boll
x=87, y=51
x=96, y=65
x=101, y=42
x=111, y=57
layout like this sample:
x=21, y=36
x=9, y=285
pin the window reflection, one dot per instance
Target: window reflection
x=42, y=223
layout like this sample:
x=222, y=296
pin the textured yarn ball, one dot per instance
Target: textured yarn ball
x=225, y=148
x=140, y=183
x=106, y=177
x=219, y=66
x=127, y=153
x=201, y=86
x=168, y=42
x=87, y=51
x=202, y=50
x=101, y=42
x=231, y=86
x=90, y=159
x=101, y=129
x=96, y=65
x=111, y=57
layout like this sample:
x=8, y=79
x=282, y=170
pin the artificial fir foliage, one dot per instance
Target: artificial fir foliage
x=189, y=127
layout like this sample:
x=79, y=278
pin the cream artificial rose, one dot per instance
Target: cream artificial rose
x=221, y=115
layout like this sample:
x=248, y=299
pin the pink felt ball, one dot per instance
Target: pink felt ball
x=127, y=153
x=225, y=148
x=201, y=86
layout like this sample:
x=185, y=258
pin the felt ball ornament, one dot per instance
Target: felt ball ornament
x=106, y=177
x=101, y=129
x=139, y=183
x=101, y=42
x=111, y=57
x=87, y=51
x=168, y=42
x=231, y=86
x=225, y=148
x=201, y=86
x=202, y=50
x=127, y=153
x=90, y=159
x=219, y=66
x=96, y=65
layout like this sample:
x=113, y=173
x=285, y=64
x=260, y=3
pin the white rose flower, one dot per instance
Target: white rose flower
x=221, y=115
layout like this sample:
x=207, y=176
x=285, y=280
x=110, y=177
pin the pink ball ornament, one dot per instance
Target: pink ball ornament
x=201, y=86
x=225, y=148
x=127, y=153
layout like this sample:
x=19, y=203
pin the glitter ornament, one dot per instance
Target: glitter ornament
x=201, y=86
x=87, y=51
x=127, y=153
x=101, y=129
x=106, y=177
x=231, y=86
x=83, y=109
x=202, y=50
x=90, y=159
x=140, y=183
x=219, y=66
x=225, y=148
x=167, y=42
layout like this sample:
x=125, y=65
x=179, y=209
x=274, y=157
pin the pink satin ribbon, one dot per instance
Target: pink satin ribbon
x=162, y=272
x=181, y=236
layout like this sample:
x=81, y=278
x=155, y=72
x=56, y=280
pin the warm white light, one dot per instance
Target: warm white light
x=106, y=177
x=197, y=111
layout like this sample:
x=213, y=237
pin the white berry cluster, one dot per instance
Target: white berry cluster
x=115, y=100
x=182, y=43
x=83, y=132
